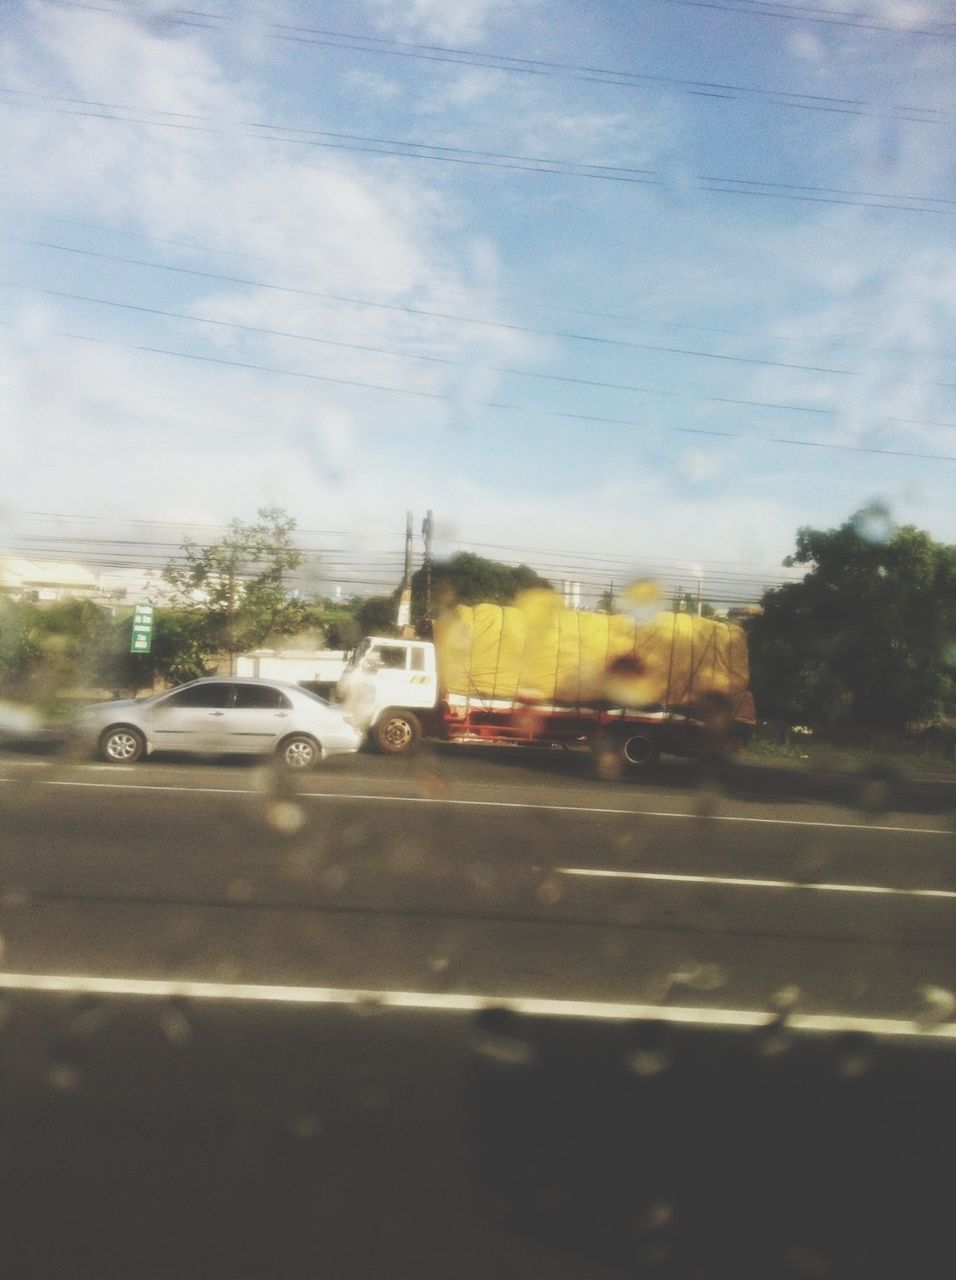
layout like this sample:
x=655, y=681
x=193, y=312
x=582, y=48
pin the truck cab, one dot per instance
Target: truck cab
x=390, y=688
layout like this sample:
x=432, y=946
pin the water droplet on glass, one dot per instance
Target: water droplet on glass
x=649, y=1062
x=14, y=896
x=642, y=599
x=306, y=1126
x=936, y=1006
x=406, y=857
x=873, y=524
x=812, y=1265
x=174, y=1025
x=355, y=834
x=498, y=1039
x=549, y=892
x=373, y=1098
x=63, y=1077
x=482, y=876
x=774, y=1041
x=285, y=816
x=706, y=977
x=334, y=879
x=240, y=890
x=785, y=999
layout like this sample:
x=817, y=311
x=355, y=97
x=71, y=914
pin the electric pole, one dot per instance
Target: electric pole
x=404, y=618
x=427, y=527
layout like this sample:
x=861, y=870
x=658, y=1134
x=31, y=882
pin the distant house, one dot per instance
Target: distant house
x=22, y=579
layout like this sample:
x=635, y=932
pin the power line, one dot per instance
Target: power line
x=344, y=533
x=616, y=317
x=491, y=404
x=510, y=64
x=408, y=149
x=418, y=311
x=414, y=355
x=774, y=11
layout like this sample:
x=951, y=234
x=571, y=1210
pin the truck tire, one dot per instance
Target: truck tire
x=397, y=732
x=639, y=750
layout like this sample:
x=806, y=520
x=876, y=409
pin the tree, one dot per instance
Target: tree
x=686, y=602
x=177, y=653
x=237, y=587
x=467, y=578
x=866, y=637
x=376, y=616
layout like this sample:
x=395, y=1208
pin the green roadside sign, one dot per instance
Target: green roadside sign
x=141, y=639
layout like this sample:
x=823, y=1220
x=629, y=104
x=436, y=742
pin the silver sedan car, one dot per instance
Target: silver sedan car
x=221, y=715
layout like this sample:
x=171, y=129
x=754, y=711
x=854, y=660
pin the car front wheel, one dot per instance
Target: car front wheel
x=121, y=744
x=300, y=752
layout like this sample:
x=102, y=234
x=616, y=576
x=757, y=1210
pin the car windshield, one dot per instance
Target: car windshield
x=562, y=396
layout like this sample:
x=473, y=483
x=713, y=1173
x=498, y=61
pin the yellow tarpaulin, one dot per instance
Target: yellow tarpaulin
x=537, y=651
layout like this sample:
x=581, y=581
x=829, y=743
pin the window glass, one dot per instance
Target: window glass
x=213, y=694
x=390, y=655
x=260, y=695
x=417, y=662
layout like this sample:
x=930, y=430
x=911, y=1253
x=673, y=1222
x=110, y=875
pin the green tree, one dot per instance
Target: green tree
x=467, y=578
x=177, y=653
x=238, y=587
x=376, y=616
x=686, y=602
x=21, y=651
x=866, y=637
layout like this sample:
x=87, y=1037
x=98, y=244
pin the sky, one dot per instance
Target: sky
x=613, y=287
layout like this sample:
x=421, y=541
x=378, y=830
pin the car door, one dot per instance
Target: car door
x=193, y=718
x=259, y=716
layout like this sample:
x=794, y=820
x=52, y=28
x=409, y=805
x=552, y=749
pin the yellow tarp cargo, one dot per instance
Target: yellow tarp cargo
x=537, y=651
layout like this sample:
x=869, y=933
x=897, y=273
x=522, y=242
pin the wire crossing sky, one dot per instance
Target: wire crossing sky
x=631, y=284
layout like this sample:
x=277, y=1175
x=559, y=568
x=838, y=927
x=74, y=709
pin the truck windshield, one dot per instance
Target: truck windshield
x=357, y=654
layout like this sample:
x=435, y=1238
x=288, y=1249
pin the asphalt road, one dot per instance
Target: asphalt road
x=246, y=1027
x=459, y=878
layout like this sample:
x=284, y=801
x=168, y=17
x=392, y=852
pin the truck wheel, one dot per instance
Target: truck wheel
x=639, y=750
x=397, y=733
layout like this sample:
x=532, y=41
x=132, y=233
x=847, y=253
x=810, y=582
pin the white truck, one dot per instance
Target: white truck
x=523, y=675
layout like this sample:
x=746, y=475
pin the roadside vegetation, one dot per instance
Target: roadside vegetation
x=858, y=657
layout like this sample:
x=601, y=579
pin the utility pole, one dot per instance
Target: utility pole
x=427, y=529
x=404, y=617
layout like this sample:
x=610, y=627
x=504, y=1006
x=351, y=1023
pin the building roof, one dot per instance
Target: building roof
x=17, y=573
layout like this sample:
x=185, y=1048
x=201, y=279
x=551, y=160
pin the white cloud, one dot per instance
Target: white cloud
x=807, y=47
x=447, y=21
x=374, y=84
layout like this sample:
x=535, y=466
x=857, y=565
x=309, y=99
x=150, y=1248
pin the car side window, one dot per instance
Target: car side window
x=417, y=659
x=260, y=695
x=216, y=694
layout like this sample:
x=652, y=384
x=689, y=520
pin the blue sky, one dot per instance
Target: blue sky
x=645, y=259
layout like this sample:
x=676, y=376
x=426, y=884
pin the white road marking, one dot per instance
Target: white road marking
x=747, y=883
x=167, y=989
x=511, y=804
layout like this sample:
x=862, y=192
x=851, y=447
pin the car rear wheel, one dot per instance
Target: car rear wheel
x=299, y=752
x=121, y=744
